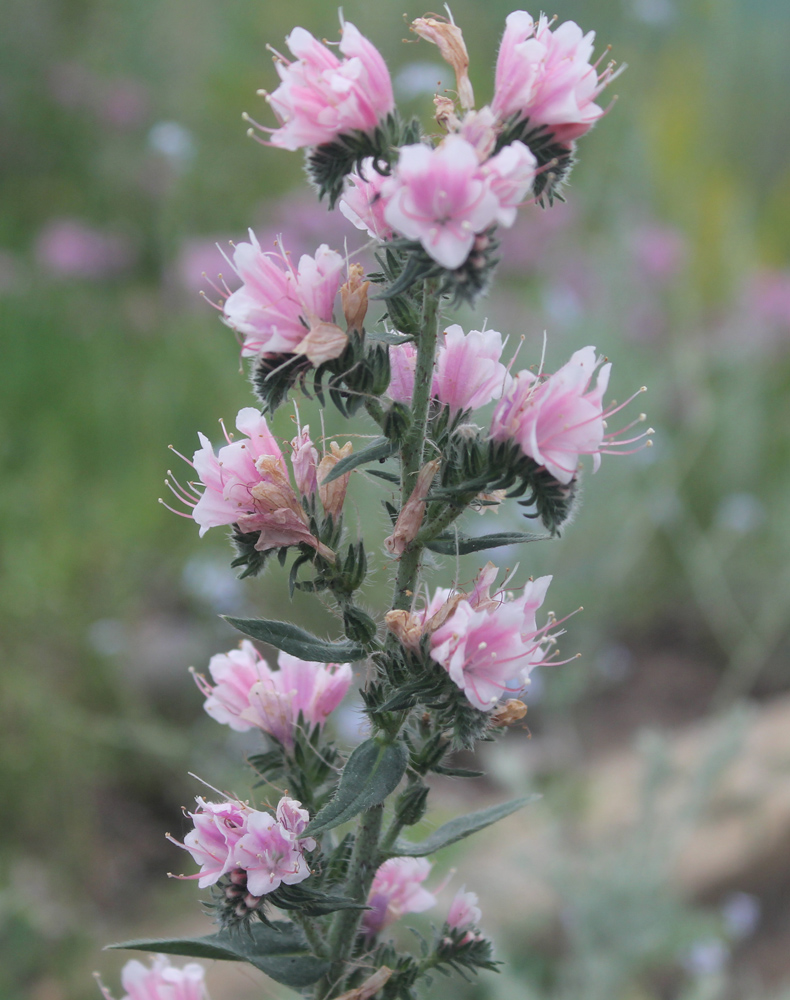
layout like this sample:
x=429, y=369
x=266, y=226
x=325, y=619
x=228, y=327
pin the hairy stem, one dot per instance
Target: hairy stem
x=411, y=452
x=312, y=933
x=362, y=868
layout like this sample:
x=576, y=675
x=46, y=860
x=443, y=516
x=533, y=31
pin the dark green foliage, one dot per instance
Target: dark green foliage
x=475, y=465
x=408, y=264
x=247, y=555
x=411, y=804
x=296, y=641
x=397, y=421
x=555, y=160
x=279, y=949
x=377, y=451
x=459, y=828
x=329, y=164
x=358, y=625
x=305, y=768
x=273, y=376
x=372, y=772
x=449, y=543
x=471, y=955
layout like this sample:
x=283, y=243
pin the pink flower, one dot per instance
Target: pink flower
x=218, y=829
x=397, y=890
x=403, y=363
x=162, y=981
x=489, y=651
x=68, y=248
x=249, y=694
x=269, y=855
x=246, y=483
x=322, y=97
x=363, y=202
x=305, y=462
x=468, y=373
x=468, y=370
x=440, y=198
x=510, y=175
x=546, y=76
x=294, y=819
x=277, y=305
x=464, y=911
x=558, y=419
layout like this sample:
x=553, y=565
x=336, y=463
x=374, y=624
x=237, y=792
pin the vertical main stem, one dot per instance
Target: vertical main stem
x=362, y=868
x=412, y=449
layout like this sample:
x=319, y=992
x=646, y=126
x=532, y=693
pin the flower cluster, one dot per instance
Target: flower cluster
x=248, y=694
x=558, y=419
x=467, y=375
x=321, y=97
x=246, y=484
x=546, y=76
x=231, y=837
x=161, y=981
x=280, y=309
x=442, y=197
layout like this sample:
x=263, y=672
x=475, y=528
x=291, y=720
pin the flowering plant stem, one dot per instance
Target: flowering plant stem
x=412, y=449
x=364, y=862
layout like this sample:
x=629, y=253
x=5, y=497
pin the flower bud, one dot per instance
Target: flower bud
x=411, y=515
x=406, y=626
x=358, y=625
x=412, y=803
x=334, y=493
x=354, y=296
x=397, y=421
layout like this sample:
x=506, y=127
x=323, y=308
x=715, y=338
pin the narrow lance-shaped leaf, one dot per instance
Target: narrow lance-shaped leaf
x=457, y=829
x=372, y=771
x=296, y=641
x=449, y=543
x=280, y=950
x=378, y=449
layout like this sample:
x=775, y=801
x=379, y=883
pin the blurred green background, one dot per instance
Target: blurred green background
x=123, y=159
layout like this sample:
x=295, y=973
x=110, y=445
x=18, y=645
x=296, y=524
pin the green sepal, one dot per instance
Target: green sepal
x=378, y=450
x=296, y=641
x=458, y=828
x=278, y=949
x=372, y=772
x=313, y=902
x=448, y=544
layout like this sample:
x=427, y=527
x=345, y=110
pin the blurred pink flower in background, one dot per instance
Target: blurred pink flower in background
x=397, y=890
x=464, y=913
x=161, y=981
x=547, y=77
x=69, y=248
x=321, y=97
x=768, y=296
x=122, y=102
x=659, y=251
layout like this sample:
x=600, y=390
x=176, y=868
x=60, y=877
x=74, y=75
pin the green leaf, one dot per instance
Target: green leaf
x=458, y=828
x=294, y=640
x=449, y=543
x=280, y=950
x=372, y=771
x=312, y=902
x=378, y=449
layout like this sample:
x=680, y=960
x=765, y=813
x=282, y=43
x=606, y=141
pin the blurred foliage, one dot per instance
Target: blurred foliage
x=123, y=120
